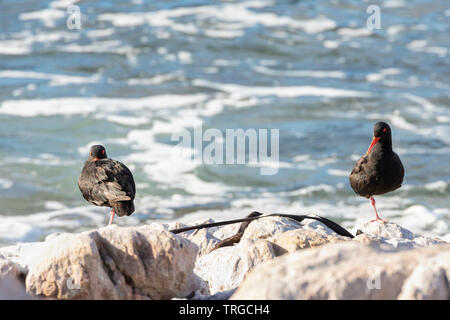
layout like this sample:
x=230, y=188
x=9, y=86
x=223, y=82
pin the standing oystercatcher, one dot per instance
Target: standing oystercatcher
x=108, y=183
x=380, y=170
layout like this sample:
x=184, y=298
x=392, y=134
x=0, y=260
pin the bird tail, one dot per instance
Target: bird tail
x=123, y=208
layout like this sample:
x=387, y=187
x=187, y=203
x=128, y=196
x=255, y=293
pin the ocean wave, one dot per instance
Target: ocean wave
x=283, y=92
x=85, y=106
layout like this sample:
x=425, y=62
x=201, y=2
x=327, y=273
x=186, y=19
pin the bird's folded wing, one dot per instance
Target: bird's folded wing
x=359, y=167
x=113, y=181
x=114, y=192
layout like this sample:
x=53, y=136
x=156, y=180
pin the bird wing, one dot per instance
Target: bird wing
x=116, y=181
x=361, y=180
x=359, y=166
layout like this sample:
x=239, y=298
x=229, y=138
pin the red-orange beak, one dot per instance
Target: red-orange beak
x=374, y=142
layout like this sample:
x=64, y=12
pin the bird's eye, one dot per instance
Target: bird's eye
x=384, y=130
x=103, y=151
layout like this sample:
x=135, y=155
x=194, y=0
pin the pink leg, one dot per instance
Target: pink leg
x=372, y=201
x=112, y=217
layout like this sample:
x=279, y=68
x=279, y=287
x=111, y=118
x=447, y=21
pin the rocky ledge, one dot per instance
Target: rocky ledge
x=274, y=258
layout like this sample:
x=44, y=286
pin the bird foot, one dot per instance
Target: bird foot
x=379, y=219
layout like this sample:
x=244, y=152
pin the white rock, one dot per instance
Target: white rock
x=343, y=270
x=113, y=263
x=429, y=280
x=225, y=268
x=267, y=227
x=385, y=230
x=226, y=231
x=392, y=235
x=203, y=238
x=11, y=284
x=446, y=238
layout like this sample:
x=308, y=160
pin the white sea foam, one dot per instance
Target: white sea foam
x=106, y=46
x=329, y=44
x=47, y=16
x=14, y=47
x=84, y=106
x=100, y=33
x=301, y=73
x=310, y=190
x=63, y=4
x=54, y=205
x=223, y=34
x=338, y=173
x=394, y=3
x=5, y=183
x=439, y=186
x=34, y=227
x=156, y=80
x=352, y=33
x=124, y=120
x=238, y=14
x=55, y=79
x=284, y=92
x=40, y=160
x=423, y=46
x=185, y=57
x=396, y=29
x=417, y=218
x=374, y=77
x=21, y=43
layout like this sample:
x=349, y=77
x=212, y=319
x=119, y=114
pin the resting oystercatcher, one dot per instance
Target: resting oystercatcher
x=108, y=183
x=380, y=170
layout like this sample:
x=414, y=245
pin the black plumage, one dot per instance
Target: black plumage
x=107, y=182
x=380, y=170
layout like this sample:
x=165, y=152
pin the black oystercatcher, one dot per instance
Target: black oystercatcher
x=108, y=183
x=380, y=170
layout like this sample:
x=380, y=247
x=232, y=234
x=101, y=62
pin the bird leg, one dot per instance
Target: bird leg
x=372, y=201
x=112, y=217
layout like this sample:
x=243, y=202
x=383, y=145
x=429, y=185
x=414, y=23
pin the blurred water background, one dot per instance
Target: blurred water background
x=137, y=72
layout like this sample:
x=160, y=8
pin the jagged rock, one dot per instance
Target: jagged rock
x=429, y=280
x=11, y=284
x=288, y=235
x=203, y=238
x=446, y=238
x=264, y=228
x=292, y=240
x=148, y=262
x=9, y=268
x=386, y=230
x=343, y=270
x=226, y=231
x=392, y=235
x=225, y=268
x=21, y=254
x=113, y=263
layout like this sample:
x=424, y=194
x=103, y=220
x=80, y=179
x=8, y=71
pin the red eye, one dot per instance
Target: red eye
x=384, y=130
x=103, y=151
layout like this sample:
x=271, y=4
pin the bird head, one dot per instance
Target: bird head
x=97, y=152
x=381, y=134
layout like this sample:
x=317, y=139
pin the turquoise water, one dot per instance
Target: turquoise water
x=138, y=72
